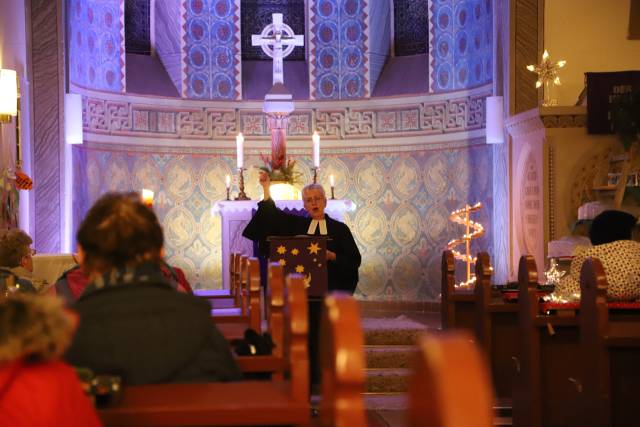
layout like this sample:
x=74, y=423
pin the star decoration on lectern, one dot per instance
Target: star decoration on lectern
x=547, y=70
x=299, y=268
x=313, y=248
x=283, y=262
x=281, y=250
x=295, y=251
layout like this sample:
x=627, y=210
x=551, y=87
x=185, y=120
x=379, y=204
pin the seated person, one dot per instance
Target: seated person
x=36, y=389
x=16, y=260
x=342, y=252
x=611, y=236
x=72, y=283
x=132, y=321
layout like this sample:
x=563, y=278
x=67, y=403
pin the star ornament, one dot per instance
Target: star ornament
x=299, y=268
x=547, y=71
x=313, y=248
x=281, y=250
x=295, y=251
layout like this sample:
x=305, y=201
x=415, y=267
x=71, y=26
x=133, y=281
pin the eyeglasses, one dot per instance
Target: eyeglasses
x=316, y=199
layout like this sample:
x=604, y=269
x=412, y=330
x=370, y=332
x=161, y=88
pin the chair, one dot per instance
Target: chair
x=342, y=363
x=450, y=386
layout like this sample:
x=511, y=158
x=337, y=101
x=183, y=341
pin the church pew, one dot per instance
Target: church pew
x=450, y=386
x=342, y=363
x=547, y=388
x=457, y=305
x=274, y=363
x=497, y=326
x=233, y=326
x=239, y=312
x=275, y=402
x=610, y=340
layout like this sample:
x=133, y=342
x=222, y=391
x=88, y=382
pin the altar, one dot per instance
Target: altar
x=236, y=214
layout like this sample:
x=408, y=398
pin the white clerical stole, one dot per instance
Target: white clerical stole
x=314, y=225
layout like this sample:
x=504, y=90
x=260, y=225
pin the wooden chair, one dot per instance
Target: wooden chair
x=273, y=402
x=233, y=325
x=497, y=328
x=548, y=384
x=342, y=363
x=457, y=305
x=610, y=340
x=450, y=386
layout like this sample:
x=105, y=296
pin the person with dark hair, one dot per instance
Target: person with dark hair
x=16, y=262
x=36, y=388
x=611, y=234
x=133, y=323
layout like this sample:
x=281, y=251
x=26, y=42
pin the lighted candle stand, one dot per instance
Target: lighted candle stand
x=473, y=231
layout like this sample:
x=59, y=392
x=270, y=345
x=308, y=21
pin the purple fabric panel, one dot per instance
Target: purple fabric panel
x=96, y=44
x=168, y=34
x=147, y=76
x=403, y=75
x=257, y=79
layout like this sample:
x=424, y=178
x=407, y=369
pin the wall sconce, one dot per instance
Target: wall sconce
x=494, y=127
x=8, y=95
x=73, y=118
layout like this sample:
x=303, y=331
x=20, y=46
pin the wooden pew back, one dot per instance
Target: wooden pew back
x=457, y=306
x=342, y=362
x=610, y=343
x=450, y=386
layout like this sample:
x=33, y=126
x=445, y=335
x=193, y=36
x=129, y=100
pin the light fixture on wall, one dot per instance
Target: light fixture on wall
x=73, y=118
x=8, y=95
x=494, y=126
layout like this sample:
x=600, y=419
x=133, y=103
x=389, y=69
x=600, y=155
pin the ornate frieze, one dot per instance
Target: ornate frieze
x=125, y=116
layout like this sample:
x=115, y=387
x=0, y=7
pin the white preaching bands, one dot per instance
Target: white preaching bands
x=314, y=225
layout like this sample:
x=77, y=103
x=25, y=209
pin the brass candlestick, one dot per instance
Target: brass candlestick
x=241, y=194
x=228, y=193
x=333, y=197
x=315, y=174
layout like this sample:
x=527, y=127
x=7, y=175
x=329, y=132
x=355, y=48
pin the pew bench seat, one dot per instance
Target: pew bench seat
x=208, y=404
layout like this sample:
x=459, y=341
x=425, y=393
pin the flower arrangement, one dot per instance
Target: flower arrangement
x=285, y=173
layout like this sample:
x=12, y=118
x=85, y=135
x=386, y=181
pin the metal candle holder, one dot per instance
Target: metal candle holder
x=228, y=188
x=333, y=196
x=241, y=194
x=315, y=174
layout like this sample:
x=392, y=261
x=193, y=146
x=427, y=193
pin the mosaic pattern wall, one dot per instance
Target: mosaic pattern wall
x=137, y=25
x=461, y=44
x=410, y=22
x=339, y=31
x=257, y=14
x=96, y=44
x=403, y=201
x=211, y=49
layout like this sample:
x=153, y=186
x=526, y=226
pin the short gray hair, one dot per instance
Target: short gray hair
x=314, y=186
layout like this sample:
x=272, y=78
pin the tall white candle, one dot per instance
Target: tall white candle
x=332, y=180
x=316, y=149
x=240, y=150
x=147, y=197
x=227, y=181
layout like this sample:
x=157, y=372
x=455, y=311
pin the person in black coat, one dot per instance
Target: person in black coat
x=343, y=256
x=133, y=323
x=342, y=252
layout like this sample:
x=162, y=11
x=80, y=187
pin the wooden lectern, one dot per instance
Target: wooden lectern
x=306, y=255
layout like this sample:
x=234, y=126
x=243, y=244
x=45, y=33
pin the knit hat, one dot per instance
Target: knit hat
x=610, y=226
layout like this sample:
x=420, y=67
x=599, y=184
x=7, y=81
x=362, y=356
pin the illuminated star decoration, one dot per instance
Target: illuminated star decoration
x=281, y=250
x=299, y=268
x=283, y=262
x=313, y=248
x=295, y=251
x=547, y=71
x=553, y=274
x=307, y=281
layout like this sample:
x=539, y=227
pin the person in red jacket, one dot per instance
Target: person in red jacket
x=36, y=388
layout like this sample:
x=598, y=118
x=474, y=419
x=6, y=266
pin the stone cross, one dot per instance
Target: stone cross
x=272, y=38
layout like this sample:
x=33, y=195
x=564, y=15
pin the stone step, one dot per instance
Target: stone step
x=389, y=356
x=387, y=380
